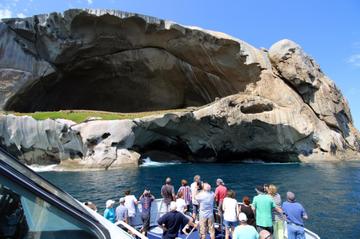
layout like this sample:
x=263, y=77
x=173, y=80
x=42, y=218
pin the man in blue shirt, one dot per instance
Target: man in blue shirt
x=172, y=221
x=121, y=211
x=206, y=201
x=295, y=213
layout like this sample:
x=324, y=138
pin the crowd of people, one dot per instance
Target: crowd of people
x=193, y=207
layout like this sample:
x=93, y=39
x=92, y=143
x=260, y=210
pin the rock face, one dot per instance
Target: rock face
x=137, y=63
x=275, y=105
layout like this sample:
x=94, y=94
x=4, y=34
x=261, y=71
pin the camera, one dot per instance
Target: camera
x=200, y=185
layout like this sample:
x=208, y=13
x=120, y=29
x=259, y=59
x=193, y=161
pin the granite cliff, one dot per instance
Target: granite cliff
x=241, y=102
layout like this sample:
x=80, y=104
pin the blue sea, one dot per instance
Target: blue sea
x=330, y=192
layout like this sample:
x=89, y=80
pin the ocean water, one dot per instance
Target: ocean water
x=330, y=192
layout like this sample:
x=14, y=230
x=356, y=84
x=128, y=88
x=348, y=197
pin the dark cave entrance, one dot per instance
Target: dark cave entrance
x=163, y=151
x=115, y=83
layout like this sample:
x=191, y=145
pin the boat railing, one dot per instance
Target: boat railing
x=130, y=229
x=158, y=209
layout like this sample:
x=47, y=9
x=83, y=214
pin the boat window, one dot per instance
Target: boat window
x=34, y=177
x=24, y=215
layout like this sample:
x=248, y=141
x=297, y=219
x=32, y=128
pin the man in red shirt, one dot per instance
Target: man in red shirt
x=220, y=194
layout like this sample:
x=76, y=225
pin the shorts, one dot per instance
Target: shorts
x=229, y=224
x=146, y=222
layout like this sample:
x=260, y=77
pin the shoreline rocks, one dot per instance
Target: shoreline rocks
x=242, y=102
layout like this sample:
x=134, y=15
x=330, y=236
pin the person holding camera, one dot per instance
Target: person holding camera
x=145, y=200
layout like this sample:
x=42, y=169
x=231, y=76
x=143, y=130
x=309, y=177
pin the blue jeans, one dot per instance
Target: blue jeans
x=295, y=232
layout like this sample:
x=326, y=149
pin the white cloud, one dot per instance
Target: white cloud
x=354, y=60
x=90, y=1
x=5, y=13
x=21, y=15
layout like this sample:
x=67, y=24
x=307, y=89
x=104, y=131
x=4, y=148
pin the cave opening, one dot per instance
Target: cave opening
x=163, y=151
x=97, y=84
x=130, y=81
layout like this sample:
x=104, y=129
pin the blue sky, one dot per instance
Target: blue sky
x=327, y=30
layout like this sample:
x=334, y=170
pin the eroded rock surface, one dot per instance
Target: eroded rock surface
x=116, y=61
x=275, y=105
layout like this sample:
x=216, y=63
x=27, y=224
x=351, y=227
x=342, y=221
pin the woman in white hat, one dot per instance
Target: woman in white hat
x=109, y=212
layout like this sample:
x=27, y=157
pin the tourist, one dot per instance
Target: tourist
x=168, y=193
x=91, y=205
x=186, y=191
x=173, y=221
x=295, y=213
x=180, y=203
x=206, y=205
x=263, y=206
x=109, y=212
x=121, y=211
x=244, y=231
x=220, y=194
x=246, y=208
x=230, y=212
x=145, y=200
x=195, y=187
x=130, y=204
x=276, y=217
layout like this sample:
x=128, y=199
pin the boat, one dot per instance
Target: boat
x=32, y=207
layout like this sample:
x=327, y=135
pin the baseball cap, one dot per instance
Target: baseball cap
x=220, y=181
x=109, y=203
x=242, y=217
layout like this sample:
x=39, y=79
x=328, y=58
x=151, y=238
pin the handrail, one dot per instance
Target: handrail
x=131, y=229
x=311, y=233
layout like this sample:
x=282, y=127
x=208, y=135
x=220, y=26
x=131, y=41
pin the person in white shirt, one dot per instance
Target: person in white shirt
x=231, y=212
x=195, y=187
x=180, y=203
x=130, y=204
